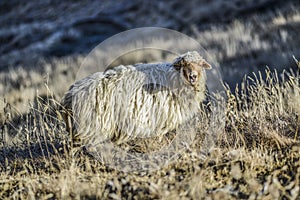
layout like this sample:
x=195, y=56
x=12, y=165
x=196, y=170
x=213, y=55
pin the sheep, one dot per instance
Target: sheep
x=135, y=101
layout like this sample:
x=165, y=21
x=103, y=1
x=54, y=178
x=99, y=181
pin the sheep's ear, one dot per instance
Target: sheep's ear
x=205, y=64
x=178, y=63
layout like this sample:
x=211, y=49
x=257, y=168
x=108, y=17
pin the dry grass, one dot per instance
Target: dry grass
x=256, y=155
x=253, y=155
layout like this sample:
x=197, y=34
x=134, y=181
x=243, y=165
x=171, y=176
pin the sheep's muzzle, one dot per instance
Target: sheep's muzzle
x=192, y=78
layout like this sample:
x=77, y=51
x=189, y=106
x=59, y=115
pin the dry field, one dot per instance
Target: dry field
x=253, y=151
x=256, y=154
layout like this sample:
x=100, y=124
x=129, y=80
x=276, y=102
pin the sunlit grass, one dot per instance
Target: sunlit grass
x=255, y=155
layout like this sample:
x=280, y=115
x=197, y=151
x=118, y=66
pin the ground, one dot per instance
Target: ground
x=248, y=148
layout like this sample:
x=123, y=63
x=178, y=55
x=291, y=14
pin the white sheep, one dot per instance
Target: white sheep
x=142, y=100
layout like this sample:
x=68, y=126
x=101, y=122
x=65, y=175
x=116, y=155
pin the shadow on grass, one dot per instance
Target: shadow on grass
x=34, y=152
x=38, y=136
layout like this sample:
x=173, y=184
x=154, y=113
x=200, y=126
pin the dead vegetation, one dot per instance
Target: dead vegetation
x=255, y=156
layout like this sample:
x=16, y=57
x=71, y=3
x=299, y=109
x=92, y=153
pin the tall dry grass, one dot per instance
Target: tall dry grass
x=256, y=154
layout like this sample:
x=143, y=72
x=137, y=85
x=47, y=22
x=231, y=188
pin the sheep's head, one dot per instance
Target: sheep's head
x=190, y=66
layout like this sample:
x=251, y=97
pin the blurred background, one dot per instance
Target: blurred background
x=43, y=42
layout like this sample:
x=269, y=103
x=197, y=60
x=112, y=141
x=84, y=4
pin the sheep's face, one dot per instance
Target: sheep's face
x=191, y=71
